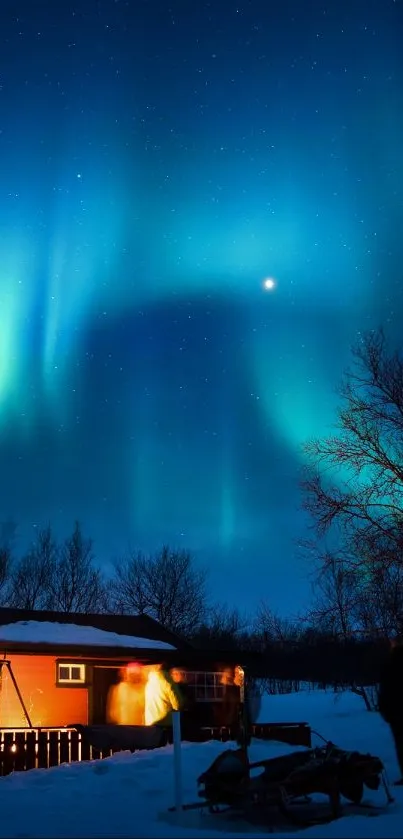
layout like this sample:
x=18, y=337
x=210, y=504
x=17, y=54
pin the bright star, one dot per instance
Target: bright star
x=269, y=284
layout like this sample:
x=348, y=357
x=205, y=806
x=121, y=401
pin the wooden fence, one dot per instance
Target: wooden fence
x=42, y=748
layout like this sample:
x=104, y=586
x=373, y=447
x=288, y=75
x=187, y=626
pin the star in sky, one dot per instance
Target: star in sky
x=269, y=284
x=162, y=167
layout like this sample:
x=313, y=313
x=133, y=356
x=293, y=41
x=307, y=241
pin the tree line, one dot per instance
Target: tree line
x=170, y=587
x=352, y=490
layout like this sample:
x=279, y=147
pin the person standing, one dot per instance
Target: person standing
x=125, y=704
x=161, y=697
x=390, y=698
x=186, y=698
x=227, y=709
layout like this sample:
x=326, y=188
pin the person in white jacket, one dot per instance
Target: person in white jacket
x=161, y=697
x=125, y=705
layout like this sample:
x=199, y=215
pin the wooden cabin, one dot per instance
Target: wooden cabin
x=57, y=668
x=56, y=671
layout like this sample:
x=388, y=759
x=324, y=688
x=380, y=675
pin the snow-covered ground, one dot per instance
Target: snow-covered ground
x=128, y=795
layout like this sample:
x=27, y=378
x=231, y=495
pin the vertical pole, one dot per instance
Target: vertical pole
x=18, y=692
x=177, y=742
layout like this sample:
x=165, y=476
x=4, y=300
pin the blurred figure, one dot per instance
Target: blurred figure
x=161, y=697
x=390, y=699
x=250, y=695
x=227, y=711
x=186, y=698
x=126, y=700
x=239, y=677
x=179, y=679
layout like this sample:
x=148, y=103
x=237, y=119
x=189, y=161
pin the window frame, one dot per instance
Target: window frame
x=213, y=692
x=71, y=683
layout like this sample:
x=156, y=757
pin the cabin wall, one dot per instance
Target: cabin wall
x=47, y=704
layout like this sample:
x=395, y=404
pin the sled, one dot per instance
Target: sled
x=284, y=785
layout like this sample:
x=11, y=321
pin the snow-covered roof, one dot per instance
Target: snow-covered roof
x=44, y=632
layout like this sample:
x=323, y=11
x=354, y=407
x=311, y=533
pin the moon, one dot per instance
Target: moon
x=269, y=284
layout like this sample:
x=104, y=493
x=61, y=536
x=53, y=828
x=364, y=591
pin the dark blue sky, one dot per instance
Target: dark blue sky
x=158, y=160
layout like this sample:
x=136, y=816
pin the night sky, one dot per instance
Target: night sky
x=158, y=160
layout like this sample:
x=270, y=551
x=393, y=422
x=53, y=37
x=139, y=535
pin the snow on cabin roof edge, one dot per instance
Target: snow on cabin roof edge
x=138, y=626
x=68, y=634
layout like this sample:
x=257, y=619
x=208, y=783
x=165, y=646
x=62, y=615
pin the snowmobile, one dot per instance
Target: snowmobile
x=286, y=784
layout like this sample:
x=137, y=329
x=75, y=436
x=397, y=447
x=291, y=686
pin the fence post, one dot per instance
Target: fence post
x=177, y=744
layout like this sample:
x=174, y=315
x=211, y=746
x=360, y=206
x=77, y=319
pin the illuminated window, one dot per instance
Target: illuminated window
x=70, y=674
x=205, y=687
